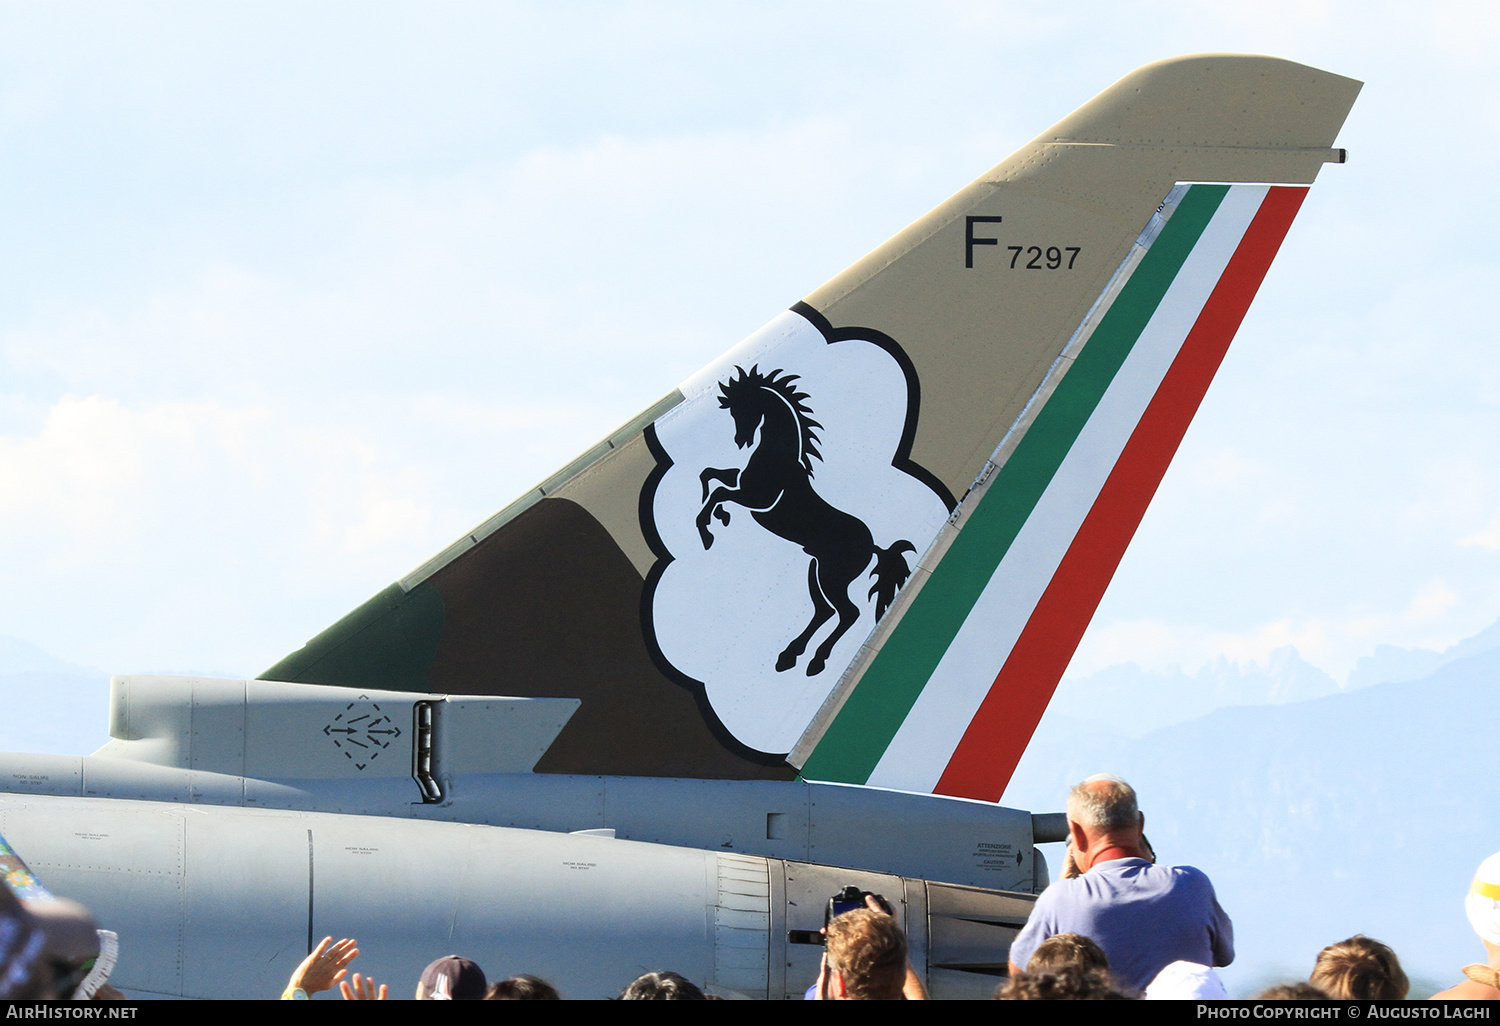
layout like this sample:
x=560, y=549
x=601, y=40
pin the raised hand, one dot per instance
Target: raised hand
x=325, y=966
x=361, y=989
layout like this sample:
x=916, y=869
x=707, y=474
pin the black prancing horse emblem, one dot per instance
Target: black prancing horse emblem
x=776, y=486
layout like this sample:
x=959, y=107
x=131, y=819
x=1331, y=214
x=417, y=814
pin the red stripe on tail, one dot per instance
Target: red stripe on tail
x=986, y=756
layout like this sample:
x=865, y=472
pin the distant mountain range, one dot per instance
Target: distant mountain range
x=1319, y=812
x=50, y=706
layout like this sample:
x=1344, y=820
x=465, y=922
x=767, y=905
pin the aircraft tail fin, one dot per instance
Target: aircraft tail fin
x=864, y=544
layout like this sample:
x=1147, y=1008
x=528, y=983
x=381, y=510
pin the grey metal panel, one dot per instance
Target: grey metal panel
x=1041, y=876
x=107, y=777
x=911, y=835
x=969, y=944
x=721, y=814
x=217, y=743
x=918, y=835
x=380, y=796
x=743, y=878
x=257, y=728
x=273, y=794
x=153, y=715
x=979, y=904
x=776, y=957
x=592, y=914
x=742, y=921
x=274, y=744
x=274, y=730
x=304, y=730
x=399, y=895
x=215, y=788
x=917, y=938
x=588, y=913
x=488, y=735
x=1047, y=827
x=245, y=900
x=125, y=862
x=41, y=774
x=538, y=801
x=970, y=933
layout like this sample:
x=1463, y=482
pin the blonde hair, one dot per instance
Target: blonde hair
x=1360, y=969
x=868, y=951
x=1065, y=949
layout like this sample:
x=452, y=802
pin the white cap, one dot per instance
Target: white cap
x=1483, y=900
x=1183, y=981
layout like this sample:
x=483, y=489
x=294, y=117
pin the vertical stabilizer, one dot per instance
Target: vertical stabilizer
x=864, y=543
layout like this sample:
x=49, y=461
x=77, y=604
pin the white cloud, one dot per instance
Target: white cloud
x=123, y=514
x=1489, y=538
x=76, y=492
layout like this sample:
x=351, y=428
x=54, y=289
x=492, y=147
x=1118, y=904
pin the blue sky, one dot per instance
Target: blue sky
x=298, y=292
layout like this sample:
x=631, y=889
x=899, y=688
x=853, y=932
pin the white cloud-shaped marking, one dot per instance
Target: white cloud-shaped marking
x=722, y=615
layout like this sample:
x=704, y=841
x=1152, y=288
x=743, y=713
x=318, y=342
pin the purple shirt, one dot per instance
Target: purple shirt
x=1145, y=917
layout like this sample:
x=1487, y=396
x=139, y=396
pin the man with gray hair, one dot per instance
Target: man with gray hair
x=1144, y=916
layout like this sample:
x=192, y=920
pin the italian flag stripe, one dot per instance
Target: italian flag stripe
x=995, y=739
x=880, y=702
x=919, y=753
x=971, y=617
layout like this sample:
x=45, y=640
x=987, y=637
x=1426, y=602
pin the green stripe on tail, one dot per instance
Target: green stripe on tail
x=880, y=702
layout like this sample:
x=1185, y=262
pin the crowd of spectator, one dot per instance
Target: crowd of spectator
x=1117, y=925
x=454, y=978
